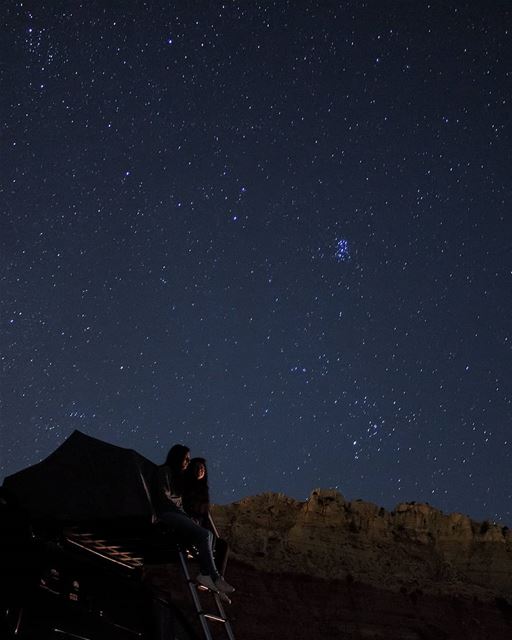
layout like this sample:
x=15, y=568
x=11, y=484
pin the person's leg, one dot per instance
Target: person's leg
x=201, y=538
x=221, y=552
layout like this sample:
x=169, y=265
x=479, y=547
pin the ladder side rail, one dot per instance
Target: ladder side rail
x=215, y=531
x=195, y=597
x=222, y=612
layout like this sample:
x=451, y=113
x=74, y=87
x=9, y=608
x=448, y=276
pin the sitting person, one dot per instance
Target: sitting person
x=169, y=509
x=196, y=502
x=196, y=495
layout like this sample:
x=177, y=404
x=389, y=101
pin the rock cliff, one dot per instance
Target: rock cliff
x=414, y=547
x=333, y=569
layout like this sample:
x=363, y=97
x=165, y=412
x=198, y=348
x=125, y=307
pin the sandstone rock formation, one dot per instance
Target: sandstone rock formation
x=333, y=569
x=414, y=546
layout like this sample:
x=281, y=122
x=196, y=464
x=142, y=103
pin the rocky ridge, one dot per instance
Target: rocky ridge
x=415, y=546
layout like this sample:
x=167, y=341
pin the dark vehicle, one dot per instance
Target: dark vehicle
x=83, y=582
x=77, y=542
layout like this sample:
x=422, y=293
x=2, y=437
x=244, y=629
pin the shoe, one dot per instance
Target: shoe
x=206, y=581
x=223, y=586
x=224, y=597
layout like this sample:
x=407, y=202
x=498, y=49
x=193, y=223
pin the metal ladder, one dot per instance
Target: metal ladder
x=204, y=616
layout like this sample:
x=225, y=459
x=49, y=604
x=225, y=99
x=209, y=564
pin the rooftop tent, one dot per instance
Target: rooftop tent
x=85, y=478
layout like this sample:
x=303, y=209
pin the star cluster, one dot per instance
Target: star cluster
x=277, y=232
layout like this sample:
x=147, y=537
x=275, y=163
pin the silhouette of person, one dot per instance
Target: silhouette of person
x=168, y=499
x=196, y=494
x=196, y=502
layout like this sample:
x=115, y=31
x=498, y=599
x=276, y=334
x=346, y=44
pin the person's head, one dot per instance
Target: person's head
x=178, y=458
x=197, y=469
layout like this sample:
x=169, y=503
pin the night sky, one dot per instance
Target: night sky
x=278, y=232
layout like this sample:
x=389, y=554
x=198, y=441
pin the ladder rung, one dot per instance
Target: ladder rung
x=212, y=616
x=205, y=617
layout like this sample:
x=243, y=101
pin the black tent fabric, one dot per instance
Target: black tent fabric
x=85, y=478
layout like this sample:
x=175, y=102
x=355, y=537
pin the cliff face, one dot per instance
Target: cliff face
x=337, y=570
x=413, y=547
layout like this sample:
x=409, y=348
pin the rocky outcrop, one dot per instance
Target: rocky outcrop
x=413, y=547
x=329, y=568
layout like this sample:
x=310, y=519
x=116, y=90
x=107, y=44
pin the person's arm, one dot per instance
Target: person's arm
x=166, y=499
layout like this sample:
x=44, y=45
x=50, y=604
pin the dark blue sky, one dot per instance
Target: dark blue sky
x=278, y=232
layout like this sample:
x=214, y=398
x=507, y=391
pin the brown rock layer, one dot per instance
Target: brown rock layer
x=337, y=570
x=414, y=546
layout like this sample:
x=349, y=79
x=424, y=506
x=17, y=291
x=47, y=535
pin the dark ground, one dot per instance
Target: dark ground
x=294, y=607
